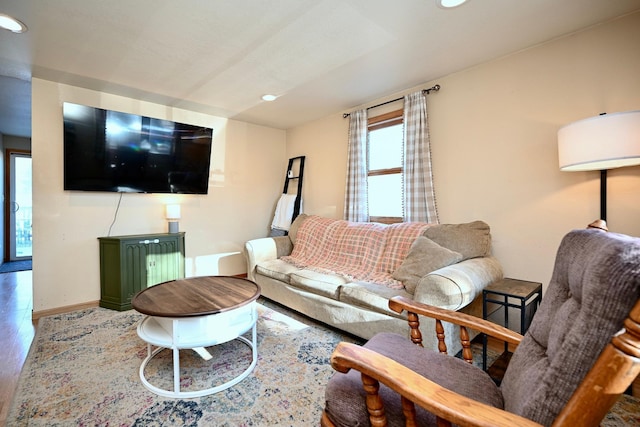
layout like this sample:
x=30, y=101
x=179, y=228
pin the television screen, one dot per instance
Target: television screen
x=113, y=151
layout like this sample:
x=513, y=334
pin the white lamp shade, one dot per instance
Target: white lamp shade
x=173, y=211
x=598, y=143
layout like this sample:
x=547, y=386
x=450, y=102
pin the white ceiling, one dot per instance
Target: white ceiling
x=220, y=56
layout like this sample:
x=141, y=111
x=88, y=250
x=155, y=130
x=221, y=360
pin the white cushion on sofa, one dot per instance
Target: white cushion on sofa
x=371, y=296
x=276, y=269
x=327, y=285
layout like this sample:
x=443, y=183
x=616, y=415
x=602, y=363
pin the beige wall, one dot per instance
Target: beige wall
x=248, y=164
x=494, y=147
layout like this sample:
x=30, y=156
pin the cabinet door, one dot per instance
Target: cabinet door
x=113, y=287
x=164, y=262
x=134, y=268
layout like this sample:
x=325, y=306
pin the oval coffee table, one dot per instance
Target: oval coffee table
x=195, y=313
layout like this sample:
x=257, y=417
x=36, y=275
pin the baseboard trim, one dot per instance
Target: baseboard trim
x=91, y=304
x=66, y=309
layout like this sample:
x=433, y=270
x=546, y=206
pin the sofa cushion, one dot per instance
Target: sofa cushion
x=424, y=257
x=295, y=225
x=327, y=285
x=371, y=296
x=276, y=269
x=472, y=239
x=283, y=246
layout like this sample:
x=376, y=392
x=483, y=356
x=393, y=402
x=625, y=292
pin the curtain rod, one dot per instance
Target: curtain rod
x=434, y=88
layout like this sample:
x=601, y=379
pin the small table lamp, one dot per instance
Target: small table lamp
x=599, y=143
x=173, y=215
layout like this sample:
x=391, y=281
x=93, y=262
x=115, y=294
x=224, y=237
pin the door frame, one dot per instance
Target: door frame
x=7, y=198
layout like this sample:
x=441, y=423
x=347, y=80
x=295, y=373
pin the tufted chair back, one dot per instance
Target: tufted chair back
x=590, y=294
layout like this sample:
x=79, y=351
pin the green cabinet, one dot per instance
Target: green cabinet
x=129, y=264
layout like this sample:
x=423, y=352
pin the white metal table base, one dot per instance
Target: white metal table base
x=155, y=331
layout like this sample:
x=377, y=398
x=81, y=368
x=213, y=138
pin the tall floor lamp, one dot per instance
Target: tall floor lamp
x=602, y=142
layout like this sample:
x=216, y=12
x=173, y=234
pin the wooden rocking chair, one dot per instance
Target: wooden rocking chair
x=580, y=353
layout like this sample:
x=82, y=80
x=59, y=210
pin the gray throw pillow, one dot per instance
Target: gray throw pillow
x=472, y=239
x=424, y=257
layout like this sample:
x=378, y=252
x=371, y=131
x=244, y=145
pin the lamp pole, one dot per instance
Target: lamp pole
x=603, y=194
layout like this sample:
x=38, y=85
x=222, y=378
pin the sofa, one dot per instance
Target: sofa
x=344, y=273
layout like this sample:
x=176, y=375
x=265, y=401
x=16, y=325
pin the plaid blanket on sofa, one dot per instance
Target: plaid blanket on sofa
x=367, y=252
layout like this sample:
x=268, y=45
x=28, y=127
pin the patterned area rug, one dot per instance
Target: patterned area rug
x=82, y=370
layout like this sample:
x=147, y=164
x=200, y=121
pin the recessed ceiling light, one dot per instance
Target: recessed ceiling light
x=12, y=24
x=450, y=4
x=269, y=97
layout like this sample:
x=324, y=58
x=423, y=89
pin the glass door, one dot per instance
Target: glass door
x=19, y=206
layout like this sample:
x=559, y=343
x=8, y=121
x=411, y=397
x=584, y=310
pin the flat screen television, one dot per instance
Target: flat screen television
x=120, y=152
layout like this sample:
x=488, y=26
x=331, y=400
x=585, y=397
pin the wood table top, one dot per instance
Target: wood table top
x=195, y=296
x=514, y=287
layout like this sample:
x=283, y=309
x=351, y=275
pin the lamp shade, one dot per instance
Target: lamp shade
x=599, y=143
x=173, y=211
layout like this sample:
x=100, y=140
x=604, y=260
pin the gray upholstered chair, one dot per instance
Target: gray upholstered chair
x=566, y=371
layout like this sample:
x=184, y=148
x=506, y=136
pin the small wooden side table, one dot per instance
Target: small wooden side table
x=497, y=299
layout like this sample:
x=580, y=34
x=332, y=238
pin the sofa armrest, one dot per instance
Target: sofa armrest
x=265, y=249
x=457, y=285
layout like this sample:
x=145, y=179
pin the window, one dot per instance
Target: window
x=384, y=160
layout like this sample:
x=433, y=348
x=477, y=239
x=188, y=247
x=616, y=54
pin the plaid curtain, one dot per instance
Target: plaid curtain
x=418, y=192
x=355, y=200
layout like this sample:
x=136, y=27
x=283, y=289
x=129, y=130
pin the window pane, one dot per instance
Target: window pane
x=22, y=196
x=385, y=195
x=385, y=148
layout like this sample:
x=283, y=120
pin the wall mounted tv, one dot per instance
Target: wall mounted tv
x=112, y=151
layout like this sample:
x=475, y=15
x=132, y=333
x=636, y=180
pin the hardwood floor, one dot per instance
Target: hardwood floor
x=16, y=302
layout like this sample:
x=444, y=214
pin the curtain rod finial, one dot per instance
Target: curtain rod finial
x=433, y=88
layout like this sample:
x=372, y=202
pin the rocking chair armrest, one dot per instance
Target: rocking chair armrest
x=400, y=303
x=438, y=400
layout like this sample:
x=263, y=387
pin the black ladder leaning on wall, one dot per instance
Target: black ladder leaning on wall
x=291, y=175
